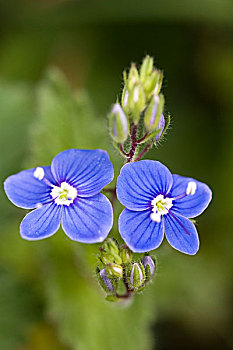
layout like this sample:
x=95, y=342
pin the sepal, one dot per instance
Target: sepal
x=114, y=270
x=133, y=77
x=126, y=254
x=136, y=102
x=146, y=68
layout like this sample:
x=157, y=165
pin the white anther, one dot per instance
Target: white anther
x=191, y=188
x=39, y=173
x=155, y=217
x=39, y=205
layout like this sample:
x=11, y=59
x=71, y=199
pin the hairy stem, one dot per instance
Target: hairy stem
x=142, y=153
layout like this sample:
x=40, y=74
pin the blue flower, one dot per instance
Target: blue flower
x=158, y=202
x=66, y=192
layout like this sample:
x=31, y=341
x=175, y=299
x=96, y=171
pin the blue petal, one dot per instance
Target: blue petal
x=139, y=183
x=88, y=220
x=41, y=223
x=181, y=233
x=25, y=191
x=191, y=205
x=87, y=170
x=139, y=232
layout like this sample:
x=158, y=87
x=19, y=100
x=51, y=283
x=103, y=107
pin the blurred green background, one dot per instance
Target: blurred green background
x=60, y=71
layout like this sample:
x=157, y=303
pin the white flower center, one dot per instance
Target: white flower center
x=160, y=206
x=64, y=195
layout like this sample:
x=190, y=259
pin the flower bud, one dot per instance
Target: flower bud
x=146, y=68
x=109, y=252
x=118, y=124
x=160, y=127
x=149, y=265
x=114, y=270
x=153, y=83
x=124, y=99
x=136, y=102
x=133, y=77
x=159, y=83
x=136, y=276
x=126, y=254
x=153, y=113
x=109, y=285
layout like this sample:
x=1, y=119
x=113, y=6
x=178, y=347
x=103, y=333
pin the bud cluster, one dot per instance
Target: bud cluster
x=140, y=112
x=117, y=270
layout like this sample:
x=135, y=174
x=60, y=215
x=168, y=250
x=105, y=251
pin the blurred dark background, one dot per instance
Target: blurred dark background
x=49, y=297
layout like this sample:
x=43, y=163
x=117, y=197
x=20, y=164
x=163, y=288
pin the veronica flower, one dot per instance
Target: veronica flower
x=158, y=202
x=66, y=193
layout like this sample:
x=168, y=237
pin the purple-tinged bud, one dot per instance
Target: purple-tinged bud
x=118, y=124
x=153, y=113
x=106, y=283
x=160, y=127
x=136, y=276
x=149, y=265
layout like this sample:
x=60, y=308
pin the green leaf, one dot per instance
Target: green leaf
x=63, y=120
x=19, y=308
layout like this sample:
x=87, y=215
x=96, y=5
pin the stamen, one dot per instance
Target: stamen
x=191, y=188
x=39, y=173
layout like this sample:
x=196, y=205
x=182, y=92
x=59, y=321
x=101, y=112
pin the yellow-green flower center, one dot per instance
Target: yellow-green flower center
x=160, y=206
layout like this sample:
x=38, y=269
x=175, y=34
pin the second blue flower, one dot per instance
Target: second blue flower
x=158, y=202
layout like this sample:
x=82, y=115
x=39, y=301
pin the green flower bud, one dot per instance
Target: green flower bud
x=124, y=99
x=109, y=285
x=136, y=102
x=114, y=270
x=109, y=252
x=133, y=77
x=136, y=276
x=118, y=124
x=159, y=83
x=146, y=68
x=153, y=83
x=126, y=254
x=153, y=113
x=149, y=264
